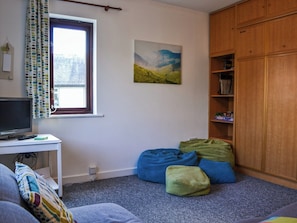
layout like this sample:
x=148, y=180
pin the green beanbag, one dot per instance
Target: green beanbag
x=211, y=149
x=186, y=181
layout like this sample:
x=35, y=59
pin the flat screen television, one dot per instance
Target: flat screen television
x=15, y=116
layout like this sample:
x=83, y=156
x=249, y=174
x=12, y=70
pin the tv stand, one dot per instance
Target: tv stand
x=50, y=143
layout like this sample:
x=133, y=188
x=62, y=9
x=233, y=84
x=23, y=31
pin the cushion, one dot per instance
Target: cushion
x=212, y=149
x=42, y=199
x=152, y=164
x=218, y=172
x=280, y=220
x=186, y=181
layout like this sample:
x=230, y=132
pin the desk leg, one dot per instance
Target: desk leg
x=59, y=170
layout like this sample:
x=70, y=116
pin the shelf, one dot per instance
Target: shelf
x=222, y=96
x=52, y=183
x=227, y=139
x=45, y=174
x=221, y=121
x=222, y=71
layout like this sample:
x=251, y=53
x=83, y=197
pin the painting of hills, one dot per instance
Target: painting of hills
x=157, y=63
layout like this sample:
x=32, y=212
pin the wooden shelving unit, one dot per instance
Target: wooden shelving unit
x=221, y=101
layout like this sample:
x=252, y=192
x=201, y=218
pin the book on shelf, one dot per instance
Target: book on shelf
x=226, y=84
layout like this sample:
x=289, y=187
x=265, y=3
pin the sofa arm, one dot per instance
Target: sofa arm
x=13, y=213
x=252, y=220
x=286, y=211
x=104, y=212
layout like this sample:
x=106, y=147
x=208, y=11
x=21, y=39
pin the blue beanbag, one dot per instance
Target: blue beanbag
x=152, y=163
x=218, y=172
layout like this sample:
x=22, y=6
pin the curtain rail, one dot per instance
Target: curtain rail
x=106, y=7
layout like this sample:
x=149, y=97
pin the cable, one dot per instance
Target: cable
x=27, y=158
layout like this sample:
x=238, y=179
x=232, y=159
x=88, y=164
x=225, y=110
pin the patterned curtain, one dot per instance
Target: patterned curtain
x=37, y=58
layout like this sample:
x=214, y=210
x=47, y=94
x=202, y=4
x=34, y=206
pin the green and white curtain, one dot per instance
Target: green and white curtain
x=37, y=58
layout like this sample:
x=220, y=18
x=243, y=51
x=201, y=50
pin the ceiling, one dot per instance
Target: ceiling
x=200, y=5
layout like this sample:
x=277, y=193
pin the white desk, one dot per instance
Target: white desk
x=52, y=143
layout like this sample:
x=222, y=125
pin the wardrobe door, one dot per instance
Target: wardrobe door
x=250, y=41
x=250, y=11
x=282, y=37
x=281, y=144
x=249, y=112
x=222, y=38
x=277, y=7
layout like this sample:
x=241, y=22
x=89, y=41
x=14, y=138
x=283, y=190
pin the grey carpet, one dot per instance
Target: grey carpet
x=226, y=203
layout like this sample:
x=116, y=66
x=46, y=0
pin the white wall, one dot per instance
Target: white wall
x=136, y=116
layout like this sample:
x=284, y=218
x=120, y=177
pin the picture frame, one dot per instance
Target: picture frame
x=157, y=62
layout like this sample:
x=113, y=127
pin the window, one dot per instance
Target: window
x=71, y=66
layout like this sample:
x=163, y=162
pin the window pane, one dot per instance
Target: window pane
x=69, y=56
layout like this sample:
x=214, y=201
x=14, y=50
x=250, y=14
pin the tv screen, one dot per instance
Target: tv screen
x=15, y=116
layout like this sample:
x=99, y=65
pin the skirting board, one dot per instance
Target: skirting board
x=80, y=178
x=267, y=177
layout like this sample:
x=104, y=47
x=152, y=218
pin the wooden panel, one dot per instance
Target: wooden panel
x=250, y=11
x=277, y=7
x=281, y=150
x=250, y=41
x=282, y=35
x=249, y=113
x=222, y=31
x=267, y=177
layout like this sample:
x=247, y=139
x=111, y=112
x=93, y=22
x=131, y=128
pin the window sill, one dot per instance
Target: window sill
x=78, y=116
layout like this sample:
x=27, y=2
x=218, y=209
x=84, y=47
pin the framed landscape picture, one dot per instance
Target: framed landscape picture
x=157, y=63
